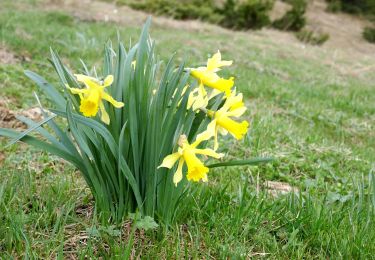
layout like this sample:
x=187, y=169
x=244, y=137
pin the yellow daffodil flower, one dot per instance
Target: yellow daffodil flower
x=92, y=96
x=187, y=153
x=198, y=98
x=215, y=63
x=222, y=122
x=208, y=76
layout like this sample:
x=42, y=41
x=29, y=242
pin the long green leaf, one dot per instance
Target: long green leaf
x=29, y=130
x=99, y=128
x=254, y=161
x=54, y=96
x=43, y=146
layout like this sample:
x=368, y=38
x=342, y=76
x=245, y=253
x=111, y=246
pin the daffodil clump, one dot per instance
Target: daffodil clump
x=139, y=130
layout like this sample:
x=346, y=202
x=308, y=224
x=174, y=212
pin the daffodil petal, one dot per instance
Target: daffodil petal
x=226, y=63
x=237, y=112
x=204, y=136
x=216, y=143
x=90, y=82
x=215, y=62
x=214, y=93
x=183, y=90
x=108, y=81
x=233, y=102
x=111, y=100
x=104, y=115
x=177, y=177
x=222, y=130
x=170, y=160
x=82, y=77
x=200, y=102
x=209, y=152
x=197, y=98
x=202, y=90
x=78, y=90
x=192, y=98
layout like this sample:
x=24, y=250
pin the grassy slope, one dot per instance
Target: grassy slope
x=316, y=122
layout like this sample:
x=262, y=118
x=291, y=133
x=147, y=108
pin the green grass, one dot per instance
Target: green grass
x=317, y=122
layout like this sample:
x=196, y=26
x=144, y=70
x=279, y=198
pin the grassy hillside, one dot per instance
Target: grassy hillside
x=310, y=109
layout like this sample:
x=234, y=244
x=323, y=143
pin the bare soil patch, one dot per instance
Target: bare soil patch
x=345, y=30
x=6, y=56
x=279, y=9
x=8, y=118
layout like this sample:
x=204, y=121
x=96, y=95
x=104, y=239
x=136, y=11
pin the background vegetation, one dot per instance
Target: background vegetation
x=369, y=34
x=365, y=8
x=235, y=14
x=315, y=118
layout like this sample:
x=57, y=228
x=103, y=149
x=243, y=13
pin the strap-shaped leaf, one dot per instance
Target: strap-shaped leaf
x=96, y=126
x=43, y=146
x=254, y=161
x=29, y=130
x=55, y=96
x=124, y=168
x=42, y=131
x=81, y=141
x=64, y=138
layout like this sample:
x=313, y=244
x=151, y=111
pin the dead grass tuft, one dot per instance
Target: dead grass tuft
x=276, y=188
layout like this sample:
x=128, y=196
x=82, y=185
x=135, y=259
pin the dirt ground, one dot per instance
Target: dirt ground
x=6, y=56
x=8, y=117
x=345, y=30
